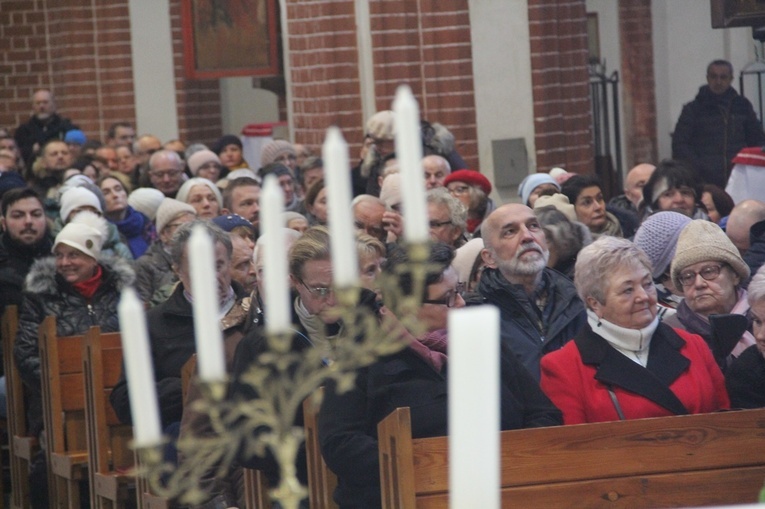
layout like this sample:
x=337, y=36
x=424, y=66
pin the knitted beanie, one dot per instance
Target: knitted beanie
x=146, y=200
x=200, y=158
x=560, y=202
x=183, y=192
x=78, y=197
x=658, y=235
x=274, y=149
x=10, y=180
x=533, y=181
x=380, y=125
x=471, y=177
x=86, y=232
x=465, y=256
x=704, y=241
x=169, y=210
x=390, y=192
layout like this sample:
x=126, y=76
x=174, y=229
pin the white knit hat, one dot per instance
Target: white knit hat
x=169, y=210
x=78, y=197
x=465, y=257
x=703, y=241
x=86, y=232
x=146, y=200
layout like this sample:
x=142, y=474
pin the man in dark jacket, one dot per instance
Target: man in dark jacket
x=539, y=308
x=715, y=126
x=44, y=125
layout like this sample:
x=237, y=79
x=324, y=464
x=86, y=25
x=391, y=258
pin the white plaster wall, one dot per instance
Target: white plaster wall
x=153, y=77
x=684, y=43
x=502, y=74
x=243, y=104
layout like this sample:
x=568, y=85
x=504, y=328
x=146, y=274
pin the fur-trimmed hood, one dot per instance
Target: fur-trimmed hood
x=42, y=276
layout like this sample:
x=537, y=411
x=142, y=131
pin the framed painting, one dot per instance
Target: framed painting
x=224, y=38
x=737, y=13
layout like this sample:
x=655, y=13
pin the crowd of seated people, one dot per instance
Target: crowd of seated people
x=650, y=304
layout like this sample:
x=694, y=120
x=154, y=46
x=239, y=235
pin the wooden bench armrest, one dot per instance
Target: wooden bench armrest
x=394, y=434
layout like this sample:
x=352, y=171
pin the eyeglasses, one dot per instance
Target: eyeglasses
x=458, y=190
x=319, y=292
x=450, y=299
x=439, y=224
x=165, y=173
x=708, y=273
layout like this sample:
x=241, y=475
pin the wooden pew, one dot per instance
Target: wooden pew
x=321, y=480
x=695, y=460
x=109, y=456
x=21, y=444
x=63, y=395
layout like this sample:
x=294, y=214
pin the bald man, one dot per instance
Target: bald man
x=540, y=310
x=633, y=187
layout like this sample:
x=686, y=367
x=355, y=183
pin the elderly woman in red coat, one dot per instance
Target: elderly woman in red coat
x=627, y=364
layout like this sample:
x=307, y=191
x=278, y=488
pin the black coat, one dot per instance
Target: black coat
x=745, y=380
x=37, y=131
x=348, y=422
x=15, y=262
x=171, y=333
x=712, y=129
x=527, y=333
x=46, y=293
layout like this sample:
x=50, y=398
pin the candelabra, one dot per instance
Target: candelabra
x=282, y=380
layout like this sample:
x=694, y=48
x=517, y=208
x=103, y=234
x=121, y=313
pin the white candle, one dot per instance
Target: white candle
x=204, y=289
x=474, y=408
x=274, y=257
x=139, y=370
x=409, y=158
x=345, y=266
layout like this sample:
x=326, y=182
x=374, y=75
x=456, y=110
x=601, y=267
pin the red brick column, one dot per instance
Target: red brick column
x=560, y=84
x=423, y=43
x=638, y=86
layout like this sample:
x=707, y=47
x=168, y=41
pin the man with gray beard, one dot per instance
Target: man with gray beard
x=539, y=308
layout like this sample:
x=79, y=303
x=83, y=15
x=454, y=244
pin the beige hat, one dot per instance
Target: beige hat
x=200, y=158
x=560, y=202
x=380, y=125
x=704, y=241
x=146, y=200
x=169, y=210
x=465, y=257
x=274, y=149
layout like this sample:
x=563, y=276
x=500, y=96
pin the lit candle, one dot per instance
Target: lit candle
x=274, y=257
x=139, y=370
x=345, y=267
x=204, y=289
x=474, y=408
x=409, y=157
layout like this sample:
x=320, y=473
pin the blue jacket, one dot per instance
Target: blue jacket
x=527, y=332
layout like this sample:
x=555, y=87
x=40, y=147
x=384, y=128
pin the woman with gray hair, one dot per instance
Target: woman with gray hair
x=746, y=376
x=626, y=364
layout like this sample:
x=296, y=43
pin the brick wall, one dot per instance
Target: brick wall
x=423, y=43
x=562, y=117
x=638, y=87
x=81, y=50
x=77, y=48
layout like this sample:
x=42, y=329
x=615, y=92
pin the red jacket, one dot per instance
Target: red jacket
x=681, y=377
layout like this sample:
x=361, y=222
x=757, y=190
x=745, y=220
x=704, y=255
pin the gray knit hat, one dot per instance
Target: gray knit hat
x=169, y=210
x=657, y=236
x=274, y=149
x=702, y=241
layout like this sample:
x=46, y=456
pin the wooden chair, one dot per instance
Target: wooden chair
x=109, y=456
x=321, y=480
x=63, y=394
x=255, y=489
x=22, y=445
x=693, y=460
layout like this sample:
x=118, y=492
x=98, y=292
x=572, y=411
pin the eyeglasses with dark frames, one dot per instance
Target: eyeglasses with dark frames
x=450, y=299
x=708, y=273
x=319, y=292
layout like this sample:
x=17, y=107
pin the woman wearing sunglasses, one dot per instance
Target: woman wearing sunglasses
x=415, y=377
